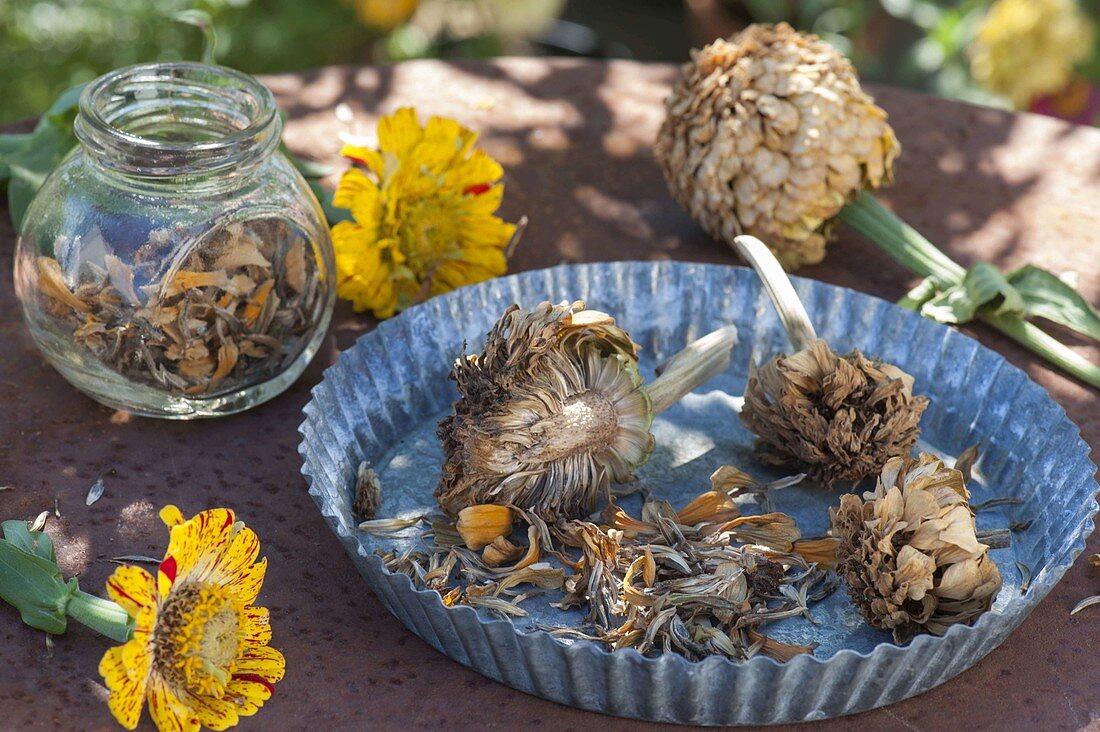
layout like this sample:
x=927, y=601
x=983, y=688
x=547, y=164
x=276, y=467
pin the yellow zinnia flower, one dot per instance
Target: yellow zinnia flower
x=423, y=208
x=384, y=15
x=1028, y=48
x=199, y=653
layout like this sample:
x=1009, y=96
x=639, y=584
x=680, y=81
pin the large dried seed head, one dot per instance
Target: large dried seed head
x=909, y=550
x=839, y=418
x=548, y=415
x=770, y=134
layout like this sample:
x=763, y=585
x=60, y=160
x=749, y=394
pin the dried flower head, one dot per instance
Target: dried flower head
x=549, y=414
x=909, y=550
x=770, y=134
x=1028, y=48
x=553, y=410
x=839, y=418
x=423, y=211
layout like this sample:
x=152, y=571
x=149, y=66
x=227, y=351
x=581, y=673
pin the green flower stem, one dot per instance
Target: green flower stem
x=102, y=616
x=900, y=240
x=914, y=252
x=1032, y=337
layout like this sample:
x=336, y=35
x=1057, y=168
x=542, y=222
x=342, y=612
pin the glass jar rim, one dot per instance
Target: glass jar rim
x=97, y=124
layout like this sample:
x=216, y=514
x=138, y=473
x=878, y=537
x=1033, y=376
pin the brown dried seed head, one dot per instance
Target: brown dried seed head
x=770, y=134
x=909, y=550
x=549, y=414
x=480, y=525
x=839, y=418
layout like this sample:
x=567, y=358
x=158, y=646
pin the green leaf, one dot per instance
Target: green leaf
x=915, y=299
x=29, y=163
x=63, y=110
x=8, y=145
x=34, y=586
x=36, y=542
x=324, y=196
x=982, y=284
x=307, y=168
x=29, y=167
x=1046, y=296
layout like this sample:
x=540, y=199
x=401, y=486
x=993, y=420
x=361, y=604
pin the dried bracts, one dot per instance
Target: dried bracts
x=838, y=418
x=910, y=552
x=554, y=410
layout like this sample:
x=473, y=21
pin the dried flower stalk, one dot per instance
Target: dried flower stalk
x=553, y=410
x=910, y=553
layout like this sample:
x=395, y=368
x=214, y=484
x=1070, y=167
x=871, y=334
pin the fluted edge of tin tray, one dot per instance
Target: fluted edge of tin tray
x=1048, y=455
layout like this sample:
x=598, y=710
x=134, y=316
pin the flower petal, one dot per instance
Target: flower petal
x=256, y=626
x=399, y=132
x=133, y=588
x=364, y=155
x=358, y=193
x=194, y=546
x=263, y=662
x=235, y=559
x=171, y=516
x=215, y=714
x=168, y=712
x=126, y=680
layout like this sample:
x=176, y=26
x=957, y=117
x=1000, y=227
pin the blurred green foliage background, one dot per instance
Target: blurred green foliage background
x=47, y=46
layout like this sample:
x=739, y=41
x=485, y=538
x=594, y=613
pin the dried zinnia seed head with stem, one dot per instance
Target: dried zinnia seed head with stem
x=554, y=410
x=910, y=551
x=770, y=134
x=839, y=418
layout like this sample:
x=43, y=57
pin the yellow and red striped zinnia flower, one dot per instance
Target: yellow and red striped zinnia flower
x=199, y=653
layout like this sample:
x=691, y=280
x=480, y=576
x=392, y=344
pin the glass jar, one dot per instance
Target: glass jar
x=176, y=264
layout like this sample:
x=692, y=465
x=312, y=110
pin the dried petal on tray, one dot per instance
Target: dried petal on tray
x=231, y=314
x=368, y=491
x=481, y=525
x=909, y=550
x=697, y=581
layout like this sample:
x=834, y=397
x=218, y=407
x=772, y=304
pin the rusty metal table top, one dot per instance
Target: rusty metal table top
x=574, y=138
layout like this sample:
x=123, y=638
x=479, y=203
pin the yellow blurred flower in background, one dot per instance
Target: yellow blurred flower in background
x=384, y=15
x=423, y=215
x=1027, y=48
x=199, y=652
